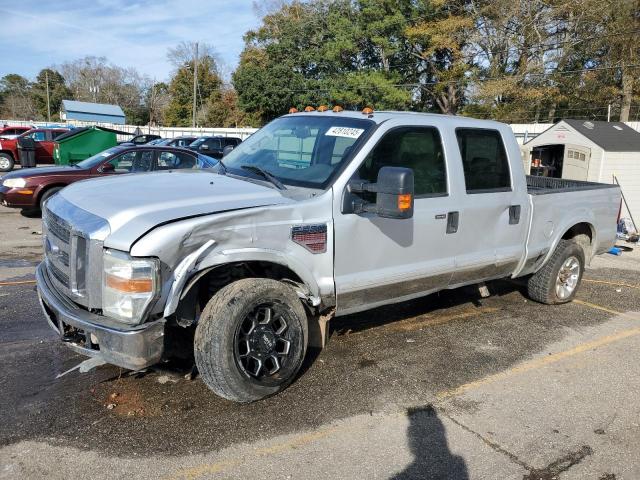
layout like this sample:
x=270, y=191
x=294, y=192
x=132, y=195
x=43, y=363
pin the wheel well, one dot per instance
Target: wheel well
x=8, y=152
x=205, y=287
x=582, y=234
x=48, y=187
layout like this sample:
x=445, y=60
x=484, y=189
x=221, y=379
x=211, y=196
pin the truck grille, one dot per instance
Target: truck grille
x=58, y=274
x=58, y=227
x=73, y=243
x=57, y=249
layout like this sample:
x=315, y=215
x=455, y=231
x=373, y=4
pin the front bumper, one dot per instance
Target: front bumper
x=10, y=198
x=135, y=347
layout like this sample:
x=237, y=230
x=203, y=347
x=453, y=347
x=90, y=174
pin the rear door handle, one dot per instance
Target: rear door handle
x=514, y=214
x=452, y=222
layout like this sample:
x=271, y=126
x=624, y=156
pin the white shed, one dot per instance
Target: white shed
x=589, y=150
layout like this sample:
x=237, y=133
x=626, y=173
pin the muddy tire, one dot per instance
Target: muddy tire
x=6, y=162
x=251, y=339
x=48, y=194
x=558, y=281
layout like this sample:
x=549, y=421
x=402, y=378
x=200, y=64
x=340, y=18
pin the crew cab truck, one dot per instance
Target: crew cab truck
x=318, y=214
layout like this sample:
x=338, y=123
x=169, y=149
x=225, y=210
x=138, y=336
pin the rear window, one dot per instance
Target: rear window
x=484, y=158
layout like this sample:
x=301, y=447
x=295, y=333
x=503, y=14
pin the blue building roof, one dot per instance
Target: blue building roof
x=93, y=112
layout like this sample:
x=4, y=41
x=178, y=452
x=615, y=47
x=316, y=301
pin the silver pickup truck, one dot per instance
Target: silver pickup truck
x=316, y=215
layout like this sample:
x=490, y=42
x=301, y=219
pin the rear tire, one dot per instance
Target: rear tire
x=48, y=194
x=558, y=280
x=6, y=162
x=251, y=339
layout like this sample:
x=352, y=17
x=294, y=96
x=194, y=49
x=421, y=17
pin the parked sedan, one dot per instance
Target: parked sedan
x=29, y=188
x=214, y=146
x=141, y=139
x=183, y=141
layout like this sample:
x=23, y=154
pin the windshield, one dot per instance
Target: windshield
x=198, y=142
x=97, y=158
x=300, y=150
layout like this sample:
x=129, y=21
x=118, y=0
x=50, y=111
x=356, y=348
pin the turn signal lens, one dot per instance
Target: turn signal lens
x=309, y=108
x=367, y=111
x=404, y=201
x=131, y=285
x=25, y=192
x=293, y=110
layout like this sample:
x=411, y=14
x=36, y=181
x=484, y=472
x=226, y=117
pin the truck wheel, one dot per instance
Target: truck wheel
x=251, y=339
x=558, y=281
x=48, y=194
x=6, y=162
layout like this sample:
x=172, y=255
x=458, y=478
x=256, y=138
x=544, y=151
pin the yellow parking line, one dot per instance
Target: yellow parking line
x=597, y=307
x=540, y=362
x=615, y=284
x=431, y=320
x=22, y=282
x=191, y=473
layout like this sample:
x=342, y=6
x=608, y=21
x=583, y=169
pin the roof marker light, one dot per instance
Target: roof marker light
x=309, y=108
x=293, y=110
x=323, y=108
x=367, y=111
x=337, y=109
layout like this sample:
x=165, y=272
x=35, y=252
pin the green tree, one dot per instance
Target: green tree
x=179, y=110
x=17, y=101
x=58, y=91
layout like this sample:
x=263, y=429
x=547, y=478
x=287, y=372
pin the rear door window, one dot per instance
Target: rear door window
x=133, y=161
x=484, y=159
x=176, y=160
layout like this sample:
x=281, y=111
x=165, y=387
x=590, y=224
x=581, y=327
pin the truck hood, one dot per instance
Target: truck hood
x=135, y=204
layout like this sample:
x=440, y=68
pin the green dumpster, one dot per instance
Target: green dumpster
x=81, y=143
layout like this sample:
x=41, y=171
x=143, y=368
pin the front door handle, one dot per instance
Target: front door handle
x=514, y=214
x=452, y=222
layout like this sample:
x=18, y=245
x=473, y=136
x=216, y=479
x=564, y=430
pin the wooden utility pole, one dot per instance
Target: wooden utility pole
x=46, y=78
x=195, y=86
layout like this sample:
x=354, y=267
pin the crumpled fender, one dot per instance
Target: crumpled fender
x=201, y=261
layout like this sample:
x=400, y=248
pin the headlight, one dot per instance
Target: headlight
x=14, y=182
x=128, y=286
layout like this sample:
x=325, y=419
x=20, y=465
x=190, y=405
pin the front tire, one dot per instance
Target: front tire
x=6, y=162
x=558, y=280
x=48, y=194
x=251, y=339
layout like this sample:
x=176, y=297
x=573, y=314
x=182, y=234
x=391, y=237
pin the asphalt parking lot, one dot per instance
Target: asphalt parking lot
x=449, y=386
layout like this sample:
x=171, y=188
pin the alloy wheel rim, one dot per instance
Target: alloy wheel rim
x=4, y=163
x=568, y=277
x=263, y=342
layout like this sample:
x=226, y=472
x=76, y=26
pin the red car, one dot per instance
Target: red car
x=44, y=140
x=28, y=188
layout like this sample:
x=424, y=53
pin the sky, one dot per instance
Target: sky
x=35, y=34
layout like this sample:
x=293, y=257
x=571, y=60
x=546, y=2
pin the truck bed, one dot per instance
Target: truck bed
x=546, y=185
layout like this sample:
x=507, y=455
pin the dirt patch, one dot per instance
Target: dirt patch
x=125, y=399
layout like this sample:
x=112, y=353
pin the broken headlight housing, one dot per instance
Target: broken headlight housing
x=129, y=285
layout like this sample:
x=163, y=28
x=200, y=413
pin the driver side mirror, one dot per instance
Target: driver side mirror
x=108, y=168
x=394, y=191
x=227, y=150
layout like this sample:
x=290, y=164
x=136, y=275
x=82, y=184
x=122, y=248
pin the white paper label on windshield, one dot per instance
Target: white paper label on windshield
x=346, y=132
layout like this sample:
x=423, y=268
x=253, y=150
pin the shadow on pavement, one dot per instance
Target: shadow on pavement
x=428, y=443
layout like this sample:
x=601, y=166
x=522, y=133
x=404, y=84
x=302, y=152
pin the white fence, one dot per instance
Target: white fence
x=165, y=132
x=522, y=131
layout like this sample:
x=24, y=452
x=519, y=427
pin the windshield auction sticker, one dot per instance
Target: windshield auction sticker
x=346, y=132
